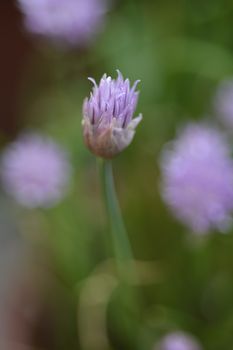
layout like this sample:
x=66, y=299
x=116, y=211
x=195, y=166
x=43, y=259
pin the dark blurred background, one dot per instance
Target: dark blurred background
x=15, y=51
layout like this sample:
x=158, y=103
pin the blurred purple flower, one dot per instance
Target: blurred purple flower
x=108, y=123
x=198, y=178
x=69, y=21
x=35, y=171
x=224, y=103
x=178, y=341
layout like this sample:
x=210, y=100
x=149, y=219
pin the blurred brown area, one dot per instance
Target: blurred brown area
x=26, y=307
x=15, y=49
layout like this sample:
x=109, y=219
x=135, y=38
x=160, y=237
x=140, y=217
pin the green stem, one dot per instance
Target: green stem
x=122, y=248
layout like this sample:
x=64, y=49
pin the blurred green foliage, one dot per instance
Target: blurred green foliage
x=180, y=50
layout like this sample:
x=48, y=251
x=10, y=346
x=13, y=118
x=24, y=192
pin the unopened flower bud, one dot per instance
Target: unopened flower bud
x=108, y=124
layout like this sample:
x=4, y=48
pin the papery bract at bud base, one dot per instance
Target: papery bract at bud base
x=108, y=123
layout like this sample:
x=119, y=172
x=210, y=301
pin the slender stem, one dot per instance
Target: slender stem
x=122, y=248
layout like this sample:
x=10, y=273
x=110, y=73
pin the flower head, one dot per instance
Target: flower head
x=108, y=123
x=178, y=341
x=35, y=171
x=68, y=21
x=198, y=178
x=224, y=103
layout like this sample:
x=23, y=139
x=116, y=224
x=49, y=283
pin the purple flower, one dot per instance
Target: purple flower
x=70, y=21
x=198, y=178
x=35, y=171
x=108, y=123
x=178, y=341
x=224, y=103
